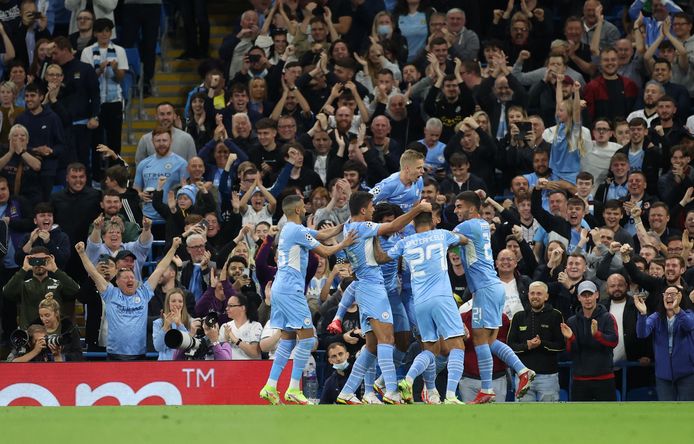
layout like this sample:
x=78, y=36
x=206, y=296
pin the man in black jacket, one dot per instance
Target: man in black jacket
x=591, y=335
x=535, y=336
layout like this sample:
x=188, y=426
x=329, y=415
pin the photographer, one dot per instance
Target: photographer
x=38, y=276
x=69, y=336
x=125, y=306
x=221, y=351
x=173, y=316
x=38, y=349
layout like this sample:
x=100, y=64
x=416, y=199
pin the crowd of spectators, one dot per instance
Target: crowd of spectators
x=571, y=119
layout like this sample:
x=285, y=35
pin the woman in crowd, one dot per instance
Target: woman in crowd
x=174, y=317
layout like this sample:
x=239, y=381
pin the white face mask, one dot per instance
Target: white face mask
x=341, y=366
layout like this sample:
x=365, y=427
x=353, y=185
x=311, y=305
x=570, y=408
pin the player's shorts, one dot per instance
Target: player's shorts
x=487, y=306
x=373, y=303
x=289, y=309
x=438, y=317
x=400, y=321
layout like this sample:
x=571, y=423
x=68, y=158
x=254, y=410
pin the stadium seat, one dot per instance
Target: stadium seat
x=563, y=396
x=618, y=396
x=642, y=394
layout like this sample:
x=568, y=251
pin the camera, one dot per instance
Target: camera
x=210, y=319
x=523, y=129
x=57, y=340
x=37, y=261
x=19, y=339
x=193, y=347
x=203, y=223
x=254, y=58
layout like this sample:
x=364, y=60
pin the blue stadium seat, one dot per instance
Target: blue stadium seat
x=642, y=394
x=618, y=395
x=563, y=396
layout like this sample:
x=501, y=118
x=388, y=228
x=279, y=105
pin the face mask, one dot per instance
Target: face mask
x=384, y=29
x=342, y=366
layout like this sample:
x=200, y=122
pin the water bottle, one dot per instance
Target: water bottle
x=310, y=381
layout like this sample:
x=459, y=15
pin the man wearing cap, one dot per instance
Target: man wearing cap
x=591, y=336
x=107, y=238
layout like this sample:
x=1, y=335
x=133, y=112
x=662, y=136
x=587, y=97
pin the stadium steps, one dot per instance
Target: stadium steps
x=174, y=78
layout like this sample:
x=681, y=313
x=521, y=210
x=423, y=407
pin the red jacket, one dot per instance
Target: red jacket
x=598, y=101
x=471, y=368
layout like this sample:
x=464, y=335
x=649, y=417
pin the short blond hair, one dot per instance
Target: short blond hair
x=410, y=156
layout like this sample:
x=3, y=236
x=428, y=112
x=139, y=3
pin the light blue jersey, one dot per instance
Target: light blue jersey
x=172, y=166
x=361, y=252
x=476, y=255
x=435, y=158
x=390, y=269
x=127, y=319
x=392, y=190
x=426, y=258
x=289, y=307
x=292, y=255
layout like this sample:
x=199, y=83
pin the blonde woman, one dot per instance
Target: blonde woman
x=8, y=95
x=567, y=140
x=49, y=317
x=482, y=119
x=174, y=316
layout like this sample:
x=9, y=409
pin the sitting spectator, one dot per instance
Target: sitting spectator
x=181, y=143
x=49, y=317
x=39, y=276
x=125, y=306
x=37, y=348
x=243, y=331
x=338, y=358
x=174, y=316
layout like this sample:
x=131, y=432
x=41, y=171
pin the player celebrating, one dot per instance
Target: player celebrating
x=403, y=188
x=290, y=311
x=488, y=298
x=436, y=312
x=372, y=298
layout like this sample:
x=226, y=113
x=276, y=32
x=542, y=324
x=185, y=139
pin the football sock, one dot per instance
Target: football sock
x=303, y=351
x=419, y=365
x=485, y=365
x=506, y=354
x=365, y=360
x=385, y=361
x=284, y=350
x=456, y=362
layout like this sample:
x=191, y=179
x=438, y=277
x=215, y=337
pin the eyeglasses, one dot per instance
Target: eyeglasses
x=519, y=29
x=234, y=305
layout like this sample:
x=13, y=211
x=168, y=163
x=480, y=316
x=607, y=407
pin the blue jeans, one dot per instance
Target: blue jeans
x=680, y=390
x=545, y=388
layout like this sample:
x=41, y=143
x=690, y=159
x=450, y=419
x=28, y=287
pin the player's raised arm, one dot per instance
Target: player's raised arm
x=462, y=240
x=400, y=223
x=328, y=233
x=326, y=251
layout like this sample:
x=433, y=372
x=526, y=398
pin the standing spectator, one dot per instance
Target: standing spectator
x=39, y=275
x=116, y=178
x=672, y=329
x=455, y=102
x=195, y=273
x=125, y=306
x=110, y=62
x=412, y=18
x=46, y=234
x=196, y=27
x=610, y=95
x=83, y=35
x=591, y=335
x=47, y=142
x=141, y=29
x=181, y=142
x=643, y=155
x=593, y=21
x=466, y=43
x=163, y=163
x=97, y=9
x=535, y=335
x=31, y=27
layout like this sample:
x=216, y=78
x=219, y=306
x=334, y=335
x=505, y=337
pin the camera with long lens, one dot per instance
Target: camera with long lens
x=57, y=340
x=194, y=348
x=19, y=340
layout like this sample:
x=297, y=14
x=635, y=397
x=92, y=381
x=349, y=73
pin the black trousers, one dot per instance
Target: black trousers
x=145, y=18
x=196, y=25
x=588, y=391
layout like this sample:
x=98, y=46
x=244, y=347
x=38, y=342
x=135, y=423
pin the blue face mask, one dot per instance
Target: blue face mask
x=342, y=366
x=384, y=29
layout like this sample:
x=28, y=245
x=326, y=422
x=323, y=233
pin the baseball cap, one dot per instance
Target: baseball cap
x=125, y=253
x=587, y=286
x=567, y=80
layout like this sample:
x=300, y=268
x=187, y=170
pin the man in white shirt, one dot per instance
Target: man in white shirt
x=506, y=263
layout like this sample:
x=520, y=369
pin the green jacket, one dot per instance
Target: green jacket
x=131, y=233
x=28, y=292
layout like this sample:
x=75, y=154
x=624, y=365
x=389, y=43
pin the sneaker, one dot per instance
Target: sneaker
x=432, y=397
x=392, y=398
x=270, y=394
x=453, y=401
x=380, y=386
x=296, y=396
x=335, y=327
x=405, y=389
x=348, y=399
x=524, y=381
x=371, y=398
x=483, y=398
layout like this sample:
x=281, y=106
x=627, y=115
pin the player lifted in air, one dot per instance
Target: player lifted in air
x=488, y=298
x=290, y=312
x=435, y=309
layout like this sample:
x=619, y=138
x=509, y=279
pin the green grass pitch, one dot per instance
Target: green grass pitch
x=613, y=423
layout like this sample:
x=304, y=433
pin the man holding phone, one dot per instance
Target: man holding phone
x=38, y=276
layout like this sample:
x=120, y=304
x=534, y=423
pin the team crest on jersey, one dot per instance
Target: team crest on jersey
x=307, y=321
x=168, y=166
x=385, y=315
x=137, y=299
x=370, y=224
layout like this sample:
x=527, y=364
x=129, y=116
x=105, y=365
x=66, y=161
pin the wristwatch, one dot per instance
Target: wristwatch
x=239, y=341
